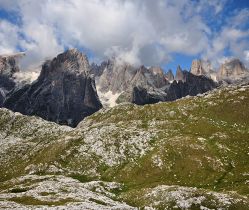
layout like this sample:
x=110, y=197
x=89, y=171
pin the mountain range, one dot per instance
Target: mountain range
x=69, y=89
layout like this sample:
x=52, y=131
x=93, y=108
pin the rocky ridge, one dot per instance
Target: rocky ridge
x=64, y=92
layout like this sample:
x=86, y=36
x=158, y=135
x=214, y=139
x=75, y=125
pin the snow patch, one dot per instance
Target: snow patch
x=108, y=99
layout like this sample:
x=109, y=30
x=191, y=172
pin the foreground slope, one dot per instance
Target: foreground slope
x=189, y=154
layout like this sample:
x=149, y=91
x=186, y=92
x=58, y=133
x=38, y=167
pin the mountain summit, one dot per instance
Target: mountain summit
x=64, y=92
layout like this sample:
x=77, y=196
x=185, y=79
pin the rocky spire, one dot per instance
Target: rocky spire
x=169, y=75
x=9, y=64
x=64, y=92
x=232, y=69
x=198, y=67
x=179, y=74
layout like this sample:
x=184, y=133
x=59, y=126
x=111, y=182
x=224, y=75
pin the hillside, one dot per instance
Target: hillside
x=192, y=153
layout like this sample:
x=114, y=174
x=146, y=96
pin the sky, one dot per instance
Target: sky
x=162, y=33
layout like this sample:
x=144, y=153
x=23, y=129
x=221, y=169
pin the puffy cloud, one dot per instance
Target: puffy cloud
x=8, y=37
x=142, y=31
x=231, y=41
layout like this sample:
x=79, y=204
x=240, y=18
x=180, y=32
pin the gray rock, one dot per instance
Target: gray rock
x=64, y=92
x=9, y=64
x=179, y=74
x=232, y=70
x=192, y=85
x=123, y=78
x=170, y=76
x=8, y=67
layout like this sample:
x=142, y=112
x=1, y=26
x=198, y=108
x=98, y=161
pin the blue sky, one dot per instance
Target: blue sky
x=147, y=32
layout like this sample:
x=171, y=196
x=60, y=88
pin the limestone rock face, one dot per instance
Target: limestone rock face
x=64, y=92
x=203, y=68
x=9, y=64
x=179, y=74
x=114, y=78
x=192, y=86
x=232, y=69
x=8, y=67
x=170, y=76
x=200, y=67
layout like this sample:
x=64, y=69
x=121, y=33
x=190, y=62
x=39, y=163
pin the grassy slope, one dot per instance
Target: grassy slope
x=198, y=142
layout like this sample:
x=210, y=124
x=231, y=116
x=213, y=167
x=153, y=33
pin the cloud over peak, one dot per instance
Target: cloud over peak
x=142, y=31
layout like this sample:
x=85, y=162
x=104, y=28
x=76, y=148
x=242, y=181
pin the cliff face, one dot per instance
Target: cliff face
x=9, y=64
x=123, y=82
x=64, y=93
x=192, y=86
x=179, y=74
x=232, y=69
x=8, y=67
x=170, y=76
x=201, y=67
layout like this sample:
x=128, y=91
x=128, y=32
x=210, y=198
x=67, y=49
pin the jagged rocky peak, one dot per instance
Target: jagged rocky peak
x=70, y=61
x=8, y=67
x=201, y=67
x=9, y=64
x=118, y=77
x=170, y=76
x=179, y=74
x=64, y=92
x=156, y=70
x=192, y=85
x=232, y=69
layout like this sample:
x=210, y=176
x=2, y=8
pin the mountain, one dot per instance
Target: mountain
x=204, y=68
x=64, y=92
x=232, y=69
x=121, y=82
x=179, y=74
x=9, y=64
x=187, y=154
x=192, y=86
x=170, y=76
x=116, y=81
x=8, y=67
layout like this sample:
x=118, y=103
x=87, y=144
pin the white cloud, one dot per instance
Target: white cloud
x=141, y=31
x=8, y=37
x=232, y=39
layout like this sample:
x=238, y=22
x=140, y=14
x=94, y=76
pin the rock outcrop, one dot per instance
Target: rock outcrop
x=179, y=74
x=64, y=92
x=8, y=67
x=114, y=78
x=203, y=68
x=9, y=64
x=232, y=70
x=192, y=86
x=200, y=67
x=170, y=76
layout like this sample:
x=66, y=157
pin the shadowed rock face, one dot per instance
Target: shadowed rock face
x=141, y=96
x=6, y=84
x=64, y=93
x=192, y=86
